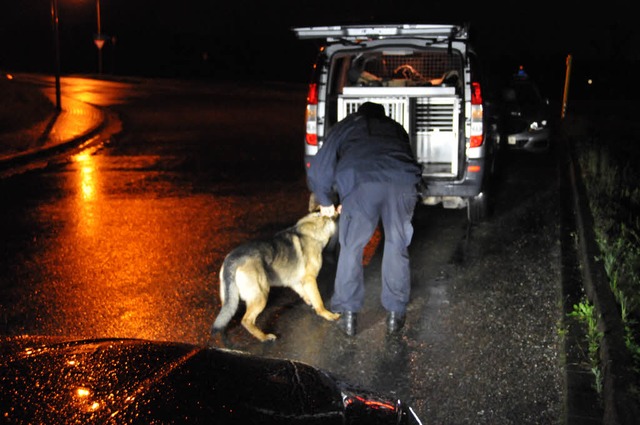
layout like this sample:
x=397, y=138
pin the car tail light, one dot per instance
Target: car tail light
x=476, y=115
x=311, y=115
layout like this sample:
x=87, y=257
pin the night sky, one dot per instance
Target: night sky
x=253, y=39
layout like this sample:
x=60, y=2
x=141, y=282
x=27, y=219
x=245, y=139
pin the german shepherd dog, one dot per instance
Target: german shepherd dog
x=292, y=258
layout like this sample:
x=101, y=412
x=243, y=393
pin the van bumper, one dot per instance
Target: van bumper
x=454, y=193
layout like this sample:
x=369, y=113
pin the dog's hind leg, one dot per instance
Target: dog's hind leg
x=254, y=287
x=254, y=308
x=230, y=298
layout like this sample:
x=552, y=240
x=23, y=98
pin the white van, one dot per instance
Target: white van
x=429, y=79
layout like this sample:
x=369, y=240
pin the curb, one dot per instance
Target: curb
x=104, y=123
x=618, y=406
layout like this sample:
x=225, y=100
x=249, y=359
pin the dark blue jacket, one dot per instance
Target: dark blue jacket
x=366, y=146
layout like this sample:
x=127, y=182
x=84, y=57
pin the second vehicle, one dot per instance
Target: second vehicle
x=525, y=116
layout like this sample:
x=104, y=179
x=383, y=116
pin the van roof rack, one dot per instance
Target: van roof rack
x=356, y=33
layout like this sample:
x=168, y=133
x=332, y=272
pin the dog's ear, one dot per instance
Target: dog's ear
x=314, y=206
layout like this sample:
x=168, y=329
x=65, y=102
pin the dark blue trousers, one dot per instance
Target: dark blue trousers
x=362, y=210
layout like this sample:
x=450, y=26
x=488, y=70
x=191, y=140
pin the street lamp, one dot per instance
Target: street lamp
x=56, y=48
x=99, y=39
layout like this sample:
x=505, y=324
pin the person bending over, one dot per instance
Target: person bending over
x=367, y=159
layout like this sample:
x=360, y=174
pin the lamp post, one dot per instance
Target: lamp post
x=98, y=14
x=56, y=48
x=99, y=39
x=566, y=86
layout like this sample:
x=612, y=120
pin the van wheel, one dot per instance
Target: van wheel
x=478, y=208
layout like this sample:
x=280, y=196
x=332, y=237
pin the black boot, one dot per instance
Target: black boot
x=347, y=322
x=395, y=322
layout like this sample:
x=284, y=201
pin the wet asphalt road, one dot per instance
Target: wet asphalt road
x=126, y=241
x=482, y=342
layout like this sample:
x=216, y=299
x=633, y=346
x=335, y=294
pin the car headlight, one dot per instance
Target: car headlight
x=537, y=125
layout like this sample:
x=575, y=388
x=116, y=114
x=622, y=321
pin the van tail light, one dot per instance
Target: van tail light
x=476, y=115
x=311, y=115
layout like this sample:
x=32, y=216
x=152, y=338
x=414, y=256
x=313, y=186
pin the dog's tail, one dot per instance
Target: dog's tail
x=229, y=296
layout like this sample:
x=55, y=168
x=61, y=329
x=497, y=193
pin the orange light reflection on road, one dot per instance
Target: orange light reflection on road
x=73, y=124
x=83, y=400
x=83, y=90
x=116, y=247
x=77, y=93
x=126, y=254
x=87, y=192
x=87, y=181
x=95, y=92
x=82, y=392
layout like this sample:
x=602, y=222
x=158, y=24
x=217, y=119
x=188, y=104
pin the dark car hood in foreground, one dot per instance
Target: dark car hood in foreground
x=127, y=381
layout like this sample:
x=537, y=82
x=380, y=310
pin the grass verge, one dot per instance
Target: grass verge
x=608, y=153
x=22, y=106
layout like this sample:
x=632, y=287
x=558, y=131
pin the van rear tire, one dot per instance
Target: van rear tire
x=478, y=208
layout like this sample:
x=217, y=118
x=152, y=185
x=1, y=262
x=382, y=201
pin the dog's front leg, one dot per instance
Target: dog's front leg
x=310, y=286
x=299, y=288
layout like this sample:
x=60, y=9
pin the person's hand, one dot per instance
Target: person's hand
x=327, y=211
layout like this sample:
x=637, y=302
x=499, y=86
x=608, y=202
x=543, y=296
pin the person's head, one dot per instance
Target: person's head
x=371, y=109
